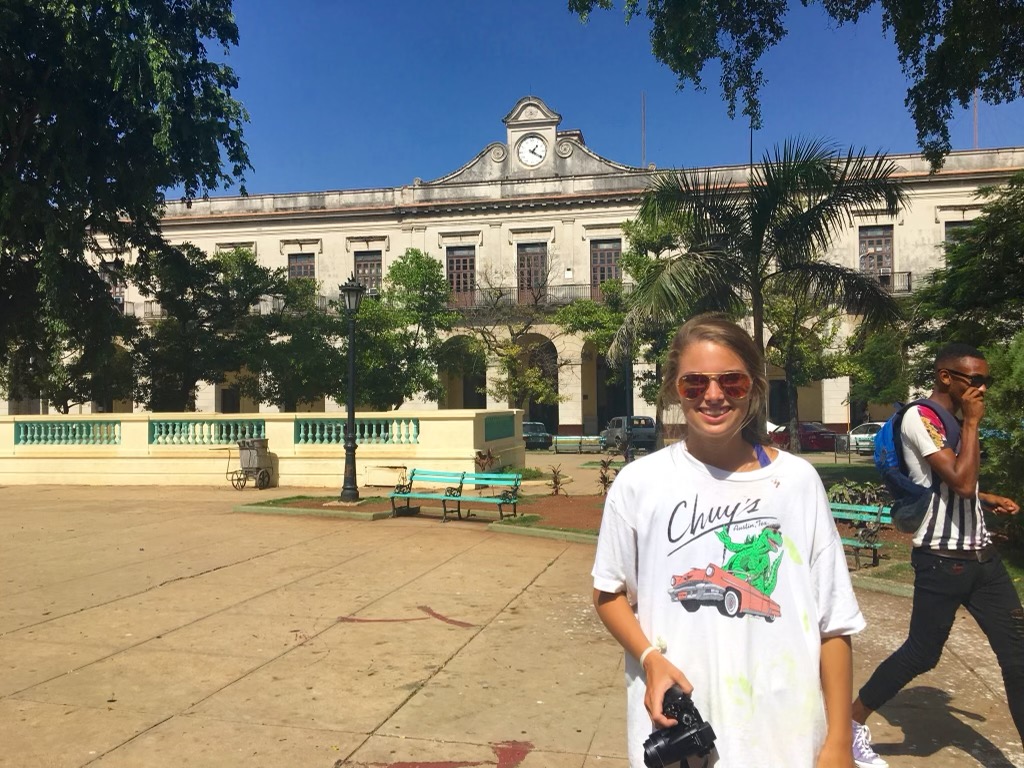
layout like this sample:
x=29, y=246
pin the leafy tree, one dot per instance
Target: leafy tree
x=880, y=371
x=400, y=335
x=978, y=297
x=804, y=330
x=946, y=50
x=1004, y=421
x=741, y=242
x=106, y=104
x=506, y=324
x=295, y=349
x=210, y=327
x=69, y=364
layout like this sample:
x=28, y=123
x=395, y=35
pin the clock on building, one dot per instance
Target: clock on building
x=532, y=151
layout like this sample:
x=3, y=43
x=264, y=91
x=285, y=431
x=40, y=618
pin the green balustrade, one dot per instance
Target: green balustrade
x=384, y=431
x=67, y=432
x=204, y=431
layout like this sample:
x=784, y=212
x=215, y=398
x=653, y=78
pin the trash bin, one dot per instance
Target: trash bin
x=255, y=462
x=252, y=453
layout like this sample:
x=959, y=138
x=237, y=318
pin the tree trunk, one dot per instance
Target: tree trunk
x=794, y=431
x=757, y=314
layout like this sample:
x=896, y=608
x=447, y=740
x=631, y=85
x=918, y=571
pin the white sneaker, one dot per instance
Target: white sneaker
x=863, y=755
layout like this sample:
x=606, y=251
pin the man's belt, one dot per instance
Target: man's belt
x=982, y=555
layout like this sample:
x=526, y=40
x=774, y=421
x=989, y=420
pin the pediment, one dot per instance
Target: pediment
x=531, y=111
x=570, y=157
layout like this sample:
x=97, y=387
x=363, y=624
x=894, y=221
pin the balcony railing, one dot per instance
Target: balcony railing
x=894, y=282
x=548, y=295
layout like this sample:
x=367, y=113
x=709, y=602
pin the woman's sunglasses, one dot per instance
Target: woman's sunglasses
x=976, y=380
x=735, y=384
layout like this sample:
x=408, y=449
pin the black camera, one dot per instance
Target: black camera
x=689, y=736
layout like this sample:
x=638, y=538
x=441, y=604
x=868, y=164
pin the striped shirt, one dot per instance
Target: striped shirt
x=953, y=522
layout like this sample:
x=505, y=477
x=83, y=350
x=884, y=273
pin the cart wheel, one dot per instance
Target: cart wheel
x=238, y=479
x=263, y=479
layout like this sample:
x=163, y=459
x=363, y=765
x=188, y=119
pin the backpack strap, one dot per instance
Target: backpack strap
x=949, y=423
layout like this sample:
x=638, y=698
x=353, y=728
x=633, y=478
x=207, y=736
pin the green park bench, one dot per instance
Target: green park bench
x=578, y=443
x=456, y=491
x=868, y=520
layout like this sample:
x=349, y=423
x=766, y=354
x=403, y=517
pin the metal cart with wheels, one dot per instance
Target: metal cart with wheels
x=255, y=464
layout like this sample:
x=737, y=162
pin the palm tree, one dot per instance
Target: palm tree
x=741, y=239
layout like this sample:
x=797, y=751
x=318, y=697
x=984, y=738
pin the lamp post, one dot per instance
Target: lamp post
x=352, y=296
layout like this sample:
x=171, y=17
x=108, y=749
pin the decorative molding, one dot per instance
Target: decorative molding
x=301, y=245
x=590, y=231
x=531, y=234
x=469, y=237
x=531, y=111
x=226, y=247
x=499, y=153
x=367, y=242
x=565, y=148
x=880, y=215
x=962, y=209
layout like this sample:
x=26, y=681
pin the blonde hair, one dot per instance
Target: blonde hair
x=719, y=329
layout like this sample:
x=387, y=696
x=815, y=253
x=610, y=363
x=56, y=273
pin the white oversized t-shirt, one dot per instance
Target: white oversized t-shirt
x=740, y=575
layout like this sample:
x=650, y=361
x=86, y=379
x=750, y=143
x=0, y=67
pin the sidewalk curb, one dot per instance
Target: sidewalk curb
x=543, y=533
x=346, y=514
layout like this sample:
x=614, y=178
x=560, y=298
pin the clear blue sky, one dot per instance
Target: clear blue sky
x=345, y=94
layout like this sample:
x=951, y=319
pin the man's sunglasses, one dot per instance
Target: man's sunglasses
x=735, y=384
x=976, y=380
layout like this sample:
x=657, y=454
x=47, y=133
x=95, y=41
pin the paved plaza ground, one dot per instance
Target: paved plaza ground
x=155, y=627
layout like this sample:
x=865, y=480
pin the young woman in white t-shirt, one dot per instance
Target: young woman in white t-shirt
x=719, y=569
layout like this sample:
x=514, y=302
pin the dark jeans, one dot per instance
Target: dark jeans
x=941, y=585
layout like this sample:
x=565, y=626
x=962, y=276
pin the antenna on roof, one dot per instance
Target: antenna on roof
x=975, y=118
x=643, y=129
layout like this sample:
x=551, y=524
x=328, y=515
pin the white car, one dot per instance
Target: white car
x=862, y=437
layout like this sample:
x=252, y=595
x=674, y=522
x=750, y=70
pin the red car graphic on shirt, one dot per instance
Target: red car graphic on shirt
x=717, y=587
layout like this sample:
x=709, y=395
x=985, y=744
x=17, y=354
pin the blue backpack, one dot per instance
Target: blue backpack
x=910, y=500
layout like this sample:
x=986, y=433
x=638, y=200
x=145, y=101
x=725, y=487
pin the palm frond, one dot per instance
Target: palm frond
x=855, y=292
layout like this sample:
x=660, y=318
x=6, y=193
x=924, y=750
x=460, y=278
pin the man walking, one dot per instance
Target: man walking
x=954, y=561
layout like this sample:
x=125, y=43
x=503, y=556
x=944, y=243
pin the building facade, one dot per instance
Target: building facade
x=538, y=216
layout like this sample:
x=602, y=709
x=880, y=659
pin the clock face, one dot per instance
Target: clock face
x=532, y=151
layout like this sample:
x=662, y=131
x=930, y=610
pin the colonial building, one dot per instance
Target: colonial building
x=538, y=215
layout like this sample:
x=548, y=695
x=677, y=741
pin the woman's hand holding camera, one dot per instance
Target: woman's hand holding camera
x=661, y=674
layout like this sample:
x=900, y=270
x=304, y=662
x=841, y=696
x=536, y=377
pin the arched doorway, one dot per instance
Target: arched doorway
x=463, y=373
x=539, y=366
x=611, y=392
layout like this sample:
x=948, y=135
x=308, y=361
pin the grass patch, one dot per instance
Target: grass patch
x=837, y=473
x=901, y=573
x=528, y=473
x=525, y=521
x=536, y=521
x=288, y=499
x=1013, y=559
x=616, y=464
x=313, y=500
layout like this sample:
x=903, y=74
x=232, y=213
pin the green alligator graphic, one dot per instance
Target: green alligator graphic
x=751, y=561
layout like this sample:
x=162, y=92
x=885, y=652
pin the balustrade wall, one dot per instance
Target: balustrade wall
x=305, y=450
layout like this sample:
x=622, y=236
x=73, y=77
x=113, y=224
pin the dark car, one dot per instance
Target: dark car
x=813, y=436
x=641, y=432
x=536, y=435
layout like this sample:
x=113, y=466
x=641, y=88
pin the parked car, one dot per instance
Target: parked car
x=862, y=437
x=813, y=436
x=641, y=429
x=536, y=435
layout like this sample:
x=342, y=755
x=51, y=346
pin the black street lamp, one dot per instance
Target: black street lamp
x=352, y=296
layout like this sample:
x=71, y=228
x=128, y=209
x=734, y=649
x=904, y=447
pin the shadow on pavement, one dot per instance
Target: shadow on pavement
x=930, y=724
